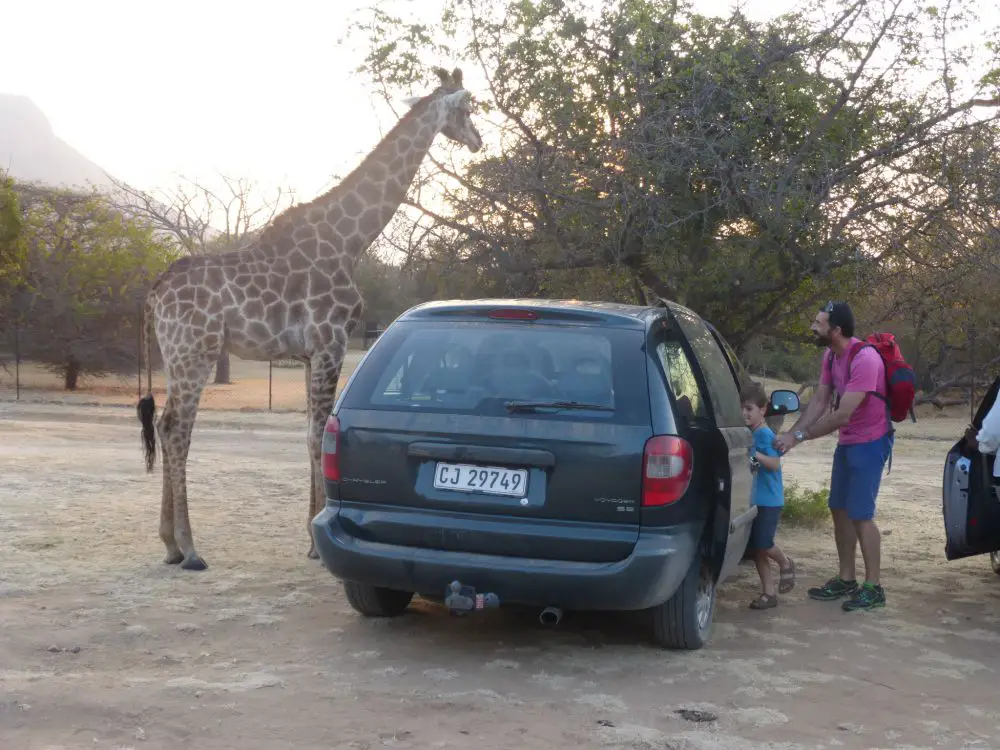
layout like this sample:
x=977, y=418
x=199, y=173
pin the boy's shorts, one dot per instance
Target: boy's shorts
x=765, y=526
x=856, y=477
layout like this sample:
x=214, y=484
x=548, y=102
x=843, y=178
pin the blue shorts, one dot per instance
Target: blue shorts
x=856, y=477
x=765, y=525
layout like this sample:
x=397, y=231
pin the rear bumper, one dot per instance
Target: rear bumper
x=647, y=577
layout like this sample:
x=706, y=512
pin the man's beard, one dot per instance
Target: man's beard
x=821, y=340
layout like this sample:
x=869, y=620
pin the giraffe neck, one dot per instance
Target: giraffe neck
x=348, y=218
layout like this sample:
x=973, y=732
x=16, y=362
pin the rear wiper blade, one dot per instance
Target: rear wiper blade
x=516, y=406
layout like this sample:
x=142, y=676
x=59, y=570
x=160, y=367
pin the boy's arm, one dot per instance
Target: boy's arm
x=771, y=463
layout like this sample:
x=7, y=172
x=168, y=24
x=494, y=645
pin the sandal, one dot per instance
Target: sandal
x=787, y=580
x=764, y=601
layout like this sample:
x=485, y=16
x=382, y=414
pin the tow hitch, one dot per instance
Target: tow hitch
x=463, y=600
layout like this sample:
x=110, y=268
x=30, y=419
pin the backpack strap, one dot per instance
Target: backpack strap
x=856, y=347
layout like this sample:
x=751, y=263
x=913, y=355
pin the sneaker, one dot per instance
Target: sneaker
x=835, y=588
x=869, y=596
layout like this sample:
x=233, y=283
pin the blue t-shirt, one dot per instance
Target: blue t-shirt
x=768, y=489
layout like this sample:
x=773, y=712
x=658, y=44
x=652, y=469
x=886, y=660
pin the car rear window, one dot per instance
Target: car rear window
x=478, y=368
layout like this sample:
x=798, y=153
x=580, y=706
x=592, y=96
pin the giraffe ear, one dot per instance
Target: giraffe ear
x=411, y=101
x=443, y=75
x=460, y=98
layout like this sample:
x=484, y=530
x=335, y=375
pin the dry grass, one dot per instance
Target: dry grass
x=249, y=391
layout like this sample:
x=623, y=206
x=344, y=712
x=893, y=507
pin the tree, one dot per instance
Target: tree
x=86, y=273
x=745, y=169
x=203, y=219
x=11, y=255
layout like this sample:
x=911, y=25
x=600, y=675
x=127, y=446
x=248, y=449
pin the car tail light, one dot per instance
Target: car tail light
x=667, y=463
x=513, y=314
x=331, y=442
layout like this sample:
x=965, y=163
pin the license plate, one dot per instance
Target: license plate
x=492, y=480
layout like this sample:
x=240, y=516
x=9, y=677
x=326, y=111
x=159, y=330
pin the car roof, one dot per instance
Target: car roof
x=562, y=310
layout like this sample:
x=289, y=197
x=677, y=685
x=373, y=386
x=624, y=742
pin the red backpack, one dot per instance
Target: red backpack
x=900, y=383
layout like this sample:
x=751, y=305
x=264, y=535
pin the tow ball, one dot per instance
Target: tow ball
x=462, y=600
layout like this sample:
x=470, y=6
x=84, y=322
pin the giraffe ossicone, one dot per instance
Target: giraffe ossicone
x=288, y=294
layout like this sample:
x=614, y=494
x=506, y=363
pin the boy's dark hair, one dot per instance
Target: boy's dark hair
x=754, y=393
x=841, y=316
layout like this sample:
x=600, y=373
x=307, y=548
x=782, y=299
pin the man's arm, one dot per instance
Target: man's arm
x=837, y=419
x=818, y=404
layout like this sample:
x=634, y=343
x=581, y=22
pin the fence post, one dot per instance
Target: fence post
x=972, y=372
x=138, y=358
x=270, y=378
x=17, y=358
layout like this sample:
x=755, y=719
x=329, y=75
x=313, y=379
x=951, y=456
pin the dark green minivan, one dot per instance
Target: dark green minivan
x=558, y=454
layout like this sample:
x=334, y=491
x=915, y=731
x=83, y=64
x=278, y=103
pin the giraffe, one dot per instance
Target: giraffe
x=288, y=294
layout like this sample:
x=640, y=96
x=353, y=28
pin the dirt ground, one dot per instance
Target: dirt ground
x=102, y=646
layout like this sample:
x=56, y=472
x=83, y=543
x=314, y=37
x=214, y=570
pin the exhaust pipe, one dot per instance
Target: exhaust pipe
x=550, y=616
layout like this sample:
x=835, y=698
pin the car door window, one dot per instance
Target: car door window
x=739, y=372
x=723, y=391
x=681, y=379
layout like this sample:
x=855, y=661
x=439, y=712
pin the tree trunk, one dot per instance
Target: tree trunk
x=72, y=378
x=222, y=369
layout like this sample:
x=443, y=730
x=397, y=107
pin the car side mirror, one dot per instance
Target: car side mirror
x=783, y=402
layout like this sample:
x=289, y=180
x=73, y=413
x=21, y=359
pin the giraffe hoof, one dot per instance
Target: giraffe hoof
x=312, y=554
x=173, y=558
x=194, y=563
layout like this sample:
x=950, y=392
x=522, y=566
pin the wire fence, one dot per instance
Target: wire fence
x=253, y=385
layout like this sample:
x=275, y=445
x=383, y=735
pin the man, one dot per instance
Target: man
x=864, y=444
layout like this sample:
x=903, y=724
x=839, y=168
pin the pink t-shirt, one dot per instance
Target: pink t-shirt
x=870, y=421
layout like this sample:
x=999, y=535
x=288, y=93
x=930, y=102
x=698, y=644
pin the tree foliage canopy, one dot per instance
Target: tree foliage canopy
x=746, y=169
x=86, y=271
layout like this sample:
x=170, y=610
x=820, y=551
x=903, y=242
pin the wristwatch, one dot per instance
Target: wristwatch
x=799, y=436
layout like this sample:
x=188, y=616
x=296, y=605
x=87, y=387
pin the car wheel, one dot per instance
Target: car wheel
x=685, y=620
x=373, y=601
x=995, y=561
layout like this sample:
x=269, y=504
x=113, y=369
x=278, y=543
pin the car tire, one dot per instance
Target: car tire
x=995, y=561
x=374, y=601
x=684, y=621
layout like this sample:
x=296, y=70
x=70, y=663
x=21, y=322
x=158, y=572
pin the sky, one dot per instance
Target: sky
x=153, y=89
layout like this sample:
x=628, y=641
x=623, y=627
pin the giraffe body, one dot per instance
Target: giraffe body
x=289, y=294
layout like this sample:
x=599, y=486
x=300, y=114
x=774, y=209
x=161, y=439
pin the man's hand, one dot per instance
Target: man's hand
x=785, y=442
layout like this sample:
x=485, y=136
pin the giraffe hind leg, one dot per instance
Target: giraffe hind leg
x=187, y=381
x=174, y=555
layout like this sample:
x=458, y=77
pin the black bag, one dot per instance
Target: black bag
x=970, y=499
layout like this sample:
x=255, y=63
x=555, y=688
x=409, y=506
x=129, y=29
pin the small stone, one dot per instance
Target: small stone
x=140, y=734
x=54, y=649
x=75, y=650
x=699, y=717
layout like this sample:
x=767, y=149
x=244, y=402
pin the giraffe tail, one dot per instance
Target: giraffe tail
x=146, y=408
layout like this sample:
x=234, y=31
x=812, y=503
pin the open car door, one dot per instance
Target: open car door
x=970, y=501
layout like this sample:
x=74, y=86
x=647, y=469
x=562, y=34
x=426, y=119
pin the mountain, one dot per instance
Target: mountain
x=32, y=152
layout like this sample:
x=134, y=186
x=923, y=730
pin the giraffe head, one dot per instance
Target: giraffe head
x=454, y=106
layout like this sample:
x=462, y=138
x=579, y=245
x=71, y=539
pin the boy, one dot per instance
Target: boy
x=769, y=497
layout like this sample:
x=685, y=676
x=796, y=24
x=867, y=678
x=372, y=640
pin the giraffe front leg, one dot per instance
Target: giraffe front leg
x=311, y=554
x=322, y=393
x=315, y=480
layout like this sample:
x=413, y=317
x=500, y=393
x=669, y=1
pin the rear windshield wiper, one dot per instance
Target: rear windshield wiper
x=521, y=406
